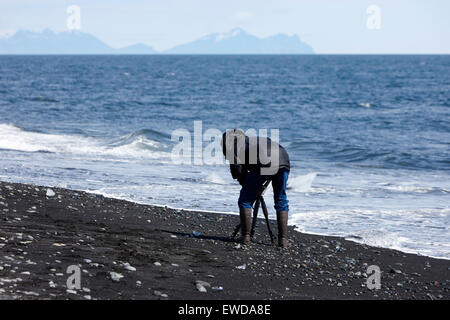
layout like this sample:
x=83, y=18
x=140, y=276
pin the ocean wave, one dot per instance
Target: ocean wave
x=135, y=145
x=386, y=157
x=365, y=104
x=43, y=99
x=301, y=183
x=214, y=178
x=388, y=228
x=378, y=238
x=414, y=189
x=142, y=139
x=392, y=240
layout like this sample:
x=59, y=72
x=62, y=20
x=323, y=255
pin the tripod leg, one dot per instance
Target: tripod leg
x=266, y=215
x=255, y=216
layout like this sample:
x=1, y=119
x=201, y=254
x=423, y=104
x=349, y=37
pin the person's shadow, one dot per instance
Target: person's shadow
x=216, y=238
x=200, y=236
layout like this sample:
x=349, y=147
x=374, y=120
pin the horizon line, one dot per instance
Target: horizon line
x=224, y=54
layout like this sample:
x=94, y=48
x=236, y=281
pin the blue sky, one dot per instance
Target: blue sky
x=329, y=26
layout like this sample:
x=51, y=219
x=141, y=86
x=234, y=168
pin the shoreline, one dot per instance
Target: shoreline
x=259, y=215
x=236, y=214
x=164, y=253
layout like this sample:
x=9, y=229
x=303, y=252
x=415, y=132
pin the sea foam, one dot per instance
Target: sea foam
x=17, y=139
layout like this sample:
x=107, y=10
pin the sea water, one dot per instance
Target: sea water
x=368, y=136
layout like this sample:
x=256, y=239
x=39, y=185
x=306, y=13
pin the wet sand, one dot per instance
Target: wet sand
x=131, y=251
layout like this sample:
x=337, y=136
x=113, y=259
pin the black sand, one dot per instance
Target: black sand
x=41, y=236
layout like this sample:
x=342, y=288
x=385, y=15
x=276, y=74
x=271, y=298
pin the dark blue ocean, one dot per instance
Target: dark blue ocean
x=368, y=136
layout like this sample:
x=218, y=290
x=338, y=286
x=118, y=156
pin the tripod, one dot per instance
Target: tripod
x=259, y=201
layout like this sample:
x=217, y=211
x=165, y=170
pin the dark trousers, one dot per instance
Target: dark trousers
x=252, y=186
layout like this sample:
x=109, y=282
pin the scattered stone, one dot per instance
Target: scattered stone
x=202, y=285
x=32, y=210
x=115, y=276
x=397, y=271
x=313, y=265
x=50, y=193
x=128, y=267
x=96, y=265
x=219, y=288
x=201, y=288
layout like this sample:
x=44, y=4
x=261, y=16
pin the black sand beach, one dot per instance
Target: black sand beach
x=162, y=253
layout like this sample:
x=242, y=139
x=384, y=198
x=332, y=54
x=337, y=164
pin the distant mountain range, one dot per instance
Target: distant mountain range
x=69, y=42
x=237, y=41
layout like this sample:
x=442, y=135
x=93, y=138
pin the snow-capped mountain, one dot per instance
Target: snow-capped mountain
x=238, y=41
x=69, y=42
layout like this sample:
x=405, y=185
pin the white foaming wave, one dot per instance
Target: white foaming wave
x=301, y=183
x=378, y=238
x=141, y=147
x=363, y=226
x=214, y=178
x=15, y=138
x=414, y=189
x=392, y=240
x=364, y=104
x=339, y=214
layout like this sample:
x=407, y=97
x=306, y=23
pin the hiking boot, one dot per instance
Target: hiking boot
x=246, y=225
x=282, y=220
